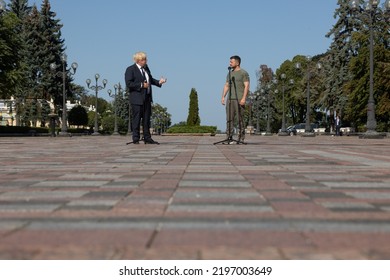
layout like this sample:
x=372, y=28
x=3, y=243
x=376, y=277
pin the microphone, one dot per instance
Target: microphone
x=230, y=68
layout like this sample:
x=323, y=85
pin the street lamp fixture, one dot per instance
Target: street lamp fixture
x=268, y=91
x=283, y=131
x=386, y=6
x=2, y=6
x=291, y=82
x=257, y=98
x=308, y=131
x=96, y=88
x=64, y=73
x=251, y=98
x=129, y=127
x=117, y=89
x=371, y=11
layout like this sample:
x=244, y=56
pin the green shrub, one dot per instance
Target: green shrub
x=23, y=129
x=78, y=116
x=108, y=123
x=193, y=129
x=80, y=130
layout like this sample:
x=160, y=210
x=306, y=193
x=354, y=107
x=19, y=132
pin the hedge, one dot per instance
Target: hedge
x=23, y=129
x=192, y=129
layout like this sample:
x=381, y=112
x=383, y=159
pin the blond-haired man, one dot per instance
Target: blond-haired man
x=139, y=83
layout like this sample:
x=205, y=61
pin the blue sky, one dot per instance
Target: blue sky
x=190, y=42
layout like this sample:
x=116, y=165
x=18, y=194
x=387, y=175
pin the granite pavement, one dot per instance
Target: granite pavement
x=277, y=198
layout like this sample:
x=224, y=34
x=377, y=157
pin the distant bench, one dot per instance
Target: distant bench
x=320, y=130
x=347, y=130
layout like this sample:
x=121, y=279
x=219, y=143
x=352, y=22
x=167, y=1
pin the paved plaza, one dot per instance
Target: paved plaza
x=94, y=197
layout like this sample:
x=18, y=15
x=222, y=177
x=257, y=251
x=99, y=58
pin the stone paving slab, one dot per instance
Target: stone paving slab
x=274, y=198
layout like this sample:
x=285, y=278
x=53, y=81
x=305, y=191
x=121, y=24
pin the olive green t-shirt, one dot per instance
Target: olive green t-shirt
x=238, y=79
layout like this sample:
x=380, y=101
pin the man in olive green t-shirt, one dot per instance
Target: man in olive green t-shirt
x=238, y=82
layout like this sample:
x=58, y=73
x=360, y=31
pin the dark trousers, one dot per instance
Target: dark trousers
x=233, y=109
x=141, y=112
x=338, y=130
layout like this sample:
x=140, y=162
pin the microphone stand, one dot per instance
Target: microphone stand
x=230, y=139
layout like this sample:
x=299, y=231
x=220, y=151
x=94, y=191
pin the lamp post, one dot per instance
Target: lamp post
x=371, y=10
x=257, y=98
x=275, y=92
x=268, y=92
x=129, y=126
x=96, y=88
x=157, y=124
x=63, y=73
x=2, y=6
x=116, y=88
x=251, y=98
x=121, y=91
x=165, y=117
x=308, y=131
x=291, y=82
x=283, y=131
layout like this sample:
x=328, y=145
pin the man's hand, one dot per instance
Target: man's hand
x=162, y=80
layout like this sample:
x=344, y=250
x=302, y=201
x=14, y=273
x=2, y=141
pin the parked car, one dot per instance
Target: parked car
x=299, y=128
x=291, y=130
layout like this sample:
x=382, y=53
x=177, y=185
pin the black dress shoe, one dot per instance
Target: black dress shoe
x=136, y=142
x=151, y=141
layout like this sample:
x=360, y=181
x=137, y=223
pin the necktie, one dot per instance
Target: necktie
x=143, y=73
x=145, y=79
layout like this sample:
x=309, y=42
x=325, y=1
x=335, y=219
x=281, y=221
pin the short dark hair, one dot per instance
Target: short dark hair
x=236, y=58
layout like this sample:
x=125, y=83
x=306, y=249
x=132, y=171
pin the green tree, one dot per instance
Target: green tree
x=341, y=51
x=32, y=88
x=91, y=119
x=266, y=93
x=161, y=119
x=103, y=105
x=9, y=49
x=193, y=118
x=51, y=50
x=42, y=33
x=294, y=102
x=22, y=10
x=78, y=116
x=79, y=93
x=108, y=124
x=45, y=112
x=383, y=82
x=298, y=102
x=122, y=104
x=297, y=95
x=357, y=88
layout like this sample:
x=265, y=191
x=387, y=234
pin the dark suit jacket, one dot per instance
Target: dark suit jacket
x=134, y=80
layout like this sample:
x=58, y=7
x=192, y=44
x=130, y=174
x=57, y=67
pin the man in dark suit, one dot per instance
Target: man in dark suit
x=139, y=82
